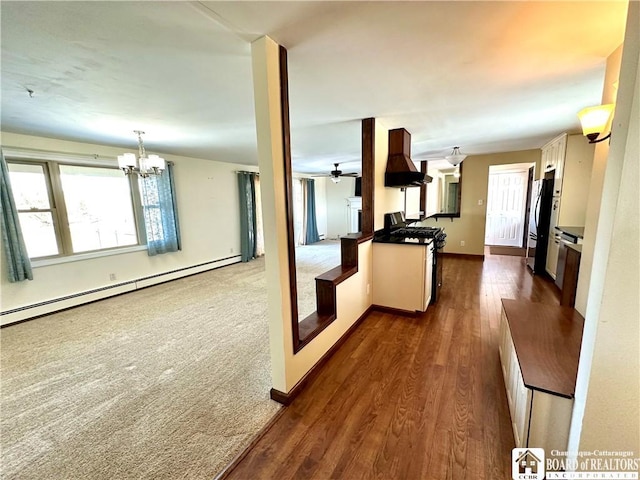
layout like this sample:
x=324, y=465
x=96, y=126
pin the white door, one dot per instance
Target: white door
x=506, y=209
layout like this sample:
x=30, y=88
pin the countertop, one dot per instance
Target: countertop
x=401, y=240
x=547, y=340
x=576, y=232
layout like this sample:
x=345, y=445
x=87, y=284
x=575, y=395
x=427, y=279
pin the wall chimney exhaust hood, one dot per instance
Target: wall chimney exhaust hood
x=401, y=171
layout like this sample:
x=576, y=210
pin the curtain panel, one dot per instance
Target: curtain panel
x=309, y=222
x=15, y=250
x=248, y=223
x=157, y=193
x=259, y=222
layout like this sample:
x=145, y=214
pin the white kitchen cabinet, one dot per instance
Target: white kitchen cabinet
x=539, y=419
x=548, y=158
x=402, y=276
x=553, y=243
x=518, y=396
x=553, y=158
x=560, y=153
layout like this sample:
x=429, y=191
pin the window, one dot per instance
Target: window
x=99, y=208
x=31, y=192
x=69, y=209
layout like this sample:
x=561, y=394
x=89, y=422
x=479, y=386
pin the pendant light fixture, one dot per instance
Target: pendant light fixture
x=143, y=165
x=455, y=158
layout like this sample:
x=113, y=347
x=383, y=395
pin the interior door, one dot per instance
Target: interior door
x=506, y=204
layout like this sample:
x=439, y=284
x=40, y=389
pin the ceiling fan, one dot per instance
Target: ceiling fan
x=336, y=174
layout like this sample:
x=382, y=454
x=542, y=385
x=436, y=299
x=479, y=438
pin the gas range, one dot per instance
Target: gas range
x=395, y=225
x=416, y=232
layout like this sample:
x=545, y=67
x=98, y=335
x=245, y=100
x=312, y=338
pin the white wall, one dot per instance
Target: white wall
x=609, y=93
x=386, y=200
x=607, y=404
x=207, y=198
x=413, y=202
x=337, y=206
x=576, y=181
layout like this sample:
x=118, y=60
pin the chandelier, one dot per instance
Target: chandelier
x=143, y=165
x=455, y=158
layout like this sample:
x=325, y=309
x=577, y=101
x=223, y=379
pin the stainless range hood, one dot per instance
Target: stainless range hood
x=401, y=171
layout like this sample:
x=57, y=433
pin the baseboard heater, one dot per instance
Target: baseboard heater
x=45, y=307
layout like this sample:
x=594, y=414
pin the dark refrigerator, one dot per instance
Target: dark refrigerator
x=539, y=219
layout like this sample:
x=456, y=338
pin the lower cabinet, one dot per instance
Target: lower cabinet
x=539, y=419
x=402, y=276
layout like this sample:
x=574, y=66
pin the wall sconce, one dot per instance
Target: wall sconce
x=594, y=120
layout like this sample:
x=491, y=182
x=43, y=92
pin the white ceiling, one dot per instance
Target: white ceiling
x=487, y=76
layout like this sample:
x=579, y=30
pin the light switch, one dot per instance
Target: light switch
x=480, y=202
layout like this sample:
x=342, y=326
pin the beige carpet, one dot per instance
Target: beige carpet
x=311, y=261
x=167, y=382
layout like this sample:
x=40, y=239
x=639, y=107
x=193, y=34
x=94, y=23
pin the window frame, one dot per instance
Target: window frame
x=51, y=168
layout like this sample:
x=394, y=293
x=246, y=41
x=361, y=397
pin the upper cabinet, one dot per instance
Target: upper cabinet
x=553, y=158
x=570, y=157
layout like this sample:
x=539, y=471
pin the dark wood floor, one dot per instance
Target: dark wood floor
x=409, y=398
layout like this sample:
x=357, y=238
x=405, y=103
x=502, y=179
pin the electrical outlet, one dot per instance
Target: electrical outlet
x=112, y=277
x=480, y=202
x=462, y=243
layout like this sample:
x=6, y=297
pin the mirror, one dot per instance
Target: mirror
x=444, y=193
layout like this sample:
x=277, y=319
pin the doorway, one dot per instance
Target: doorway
x=506, y=206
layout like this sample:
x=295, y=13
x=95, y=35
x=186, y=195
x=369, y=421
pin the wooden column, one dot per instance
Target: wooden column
x=368, y=175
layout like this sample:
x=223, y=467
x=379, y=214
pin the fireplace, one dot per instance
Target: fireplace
x=354, y=212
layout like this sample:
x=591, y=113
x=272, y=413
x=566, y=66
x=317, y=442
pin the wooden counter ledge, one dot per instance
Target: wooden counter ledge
x=547, y=340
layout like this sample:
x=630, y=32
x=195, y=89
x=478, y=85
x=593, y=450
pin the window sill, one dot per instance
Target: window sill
x=86, y=256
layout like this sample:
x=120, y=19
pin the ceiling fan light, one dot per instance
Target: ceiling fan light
x=335, y=179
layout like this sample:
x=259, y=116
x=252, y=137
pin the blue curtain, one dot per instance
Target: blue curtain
x=311, y=224
x=18, y=263
x=248, y=225
x=161, y=224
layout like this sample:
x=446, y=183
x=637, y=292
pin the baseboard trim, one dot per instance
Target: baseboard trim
x=466, y=256
x=25, y=313
x=286, y=398
x=395, y=311
x=256, y=438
